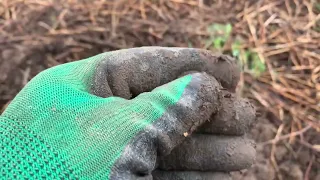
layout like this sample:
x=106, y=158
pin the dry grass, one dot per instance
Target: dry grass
x=287, y=40
x=286, y=37
x=35, y=35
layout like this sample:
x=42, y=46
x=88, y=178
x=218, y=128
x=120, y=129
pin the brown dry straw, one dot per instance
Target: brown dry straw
x=35, y=35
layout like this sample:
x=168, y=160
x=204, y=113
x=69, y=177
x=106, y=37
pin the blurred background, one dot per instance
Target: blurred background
x=277, y=44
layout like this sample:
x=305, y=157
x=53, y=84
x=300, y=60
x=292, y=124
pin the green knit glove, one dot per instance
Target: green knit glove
x=111, y=115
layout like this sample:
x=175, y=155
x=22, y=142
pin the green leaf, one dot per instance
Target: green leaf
x=219, y=34
x=246, y=56
x=235, y=52
x=228, y=29
x=258, y=67
x=218, y=43
x=236, y=48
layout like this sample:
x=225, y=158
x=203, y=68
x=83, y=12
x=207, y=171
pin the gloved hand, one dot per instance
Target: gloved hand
x=119, y=115
x=216, y=148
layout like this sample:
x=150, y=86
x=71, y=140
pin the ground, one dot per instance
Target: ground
x=277, y=43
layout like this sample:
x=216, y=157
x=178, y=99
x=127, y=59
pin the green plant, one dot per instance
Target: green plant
x=249, y=60
x=219, y=34
x=257, y=67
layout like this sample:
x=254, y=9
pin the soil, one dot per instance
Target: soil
x=202, y=152
x=292, y=161
x=236, y=117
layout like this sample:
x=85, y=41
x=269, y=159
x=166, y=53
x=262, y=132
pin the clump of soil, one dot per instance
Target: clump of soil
x=293, y=162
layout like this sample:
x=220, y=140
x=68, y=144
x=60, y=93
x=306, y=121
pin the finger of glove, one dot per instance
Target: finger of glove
x=189, y=175
x=127, y=73
x=210, y=153
x=235, y=117
x=177, y=116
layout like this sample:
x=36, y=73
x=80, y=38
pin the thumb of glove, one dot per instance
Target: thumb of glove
x=183, y=113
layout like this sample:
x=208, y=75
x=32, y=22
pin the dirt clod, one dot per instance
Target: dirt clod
x=235, y=117
x=291, y=170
